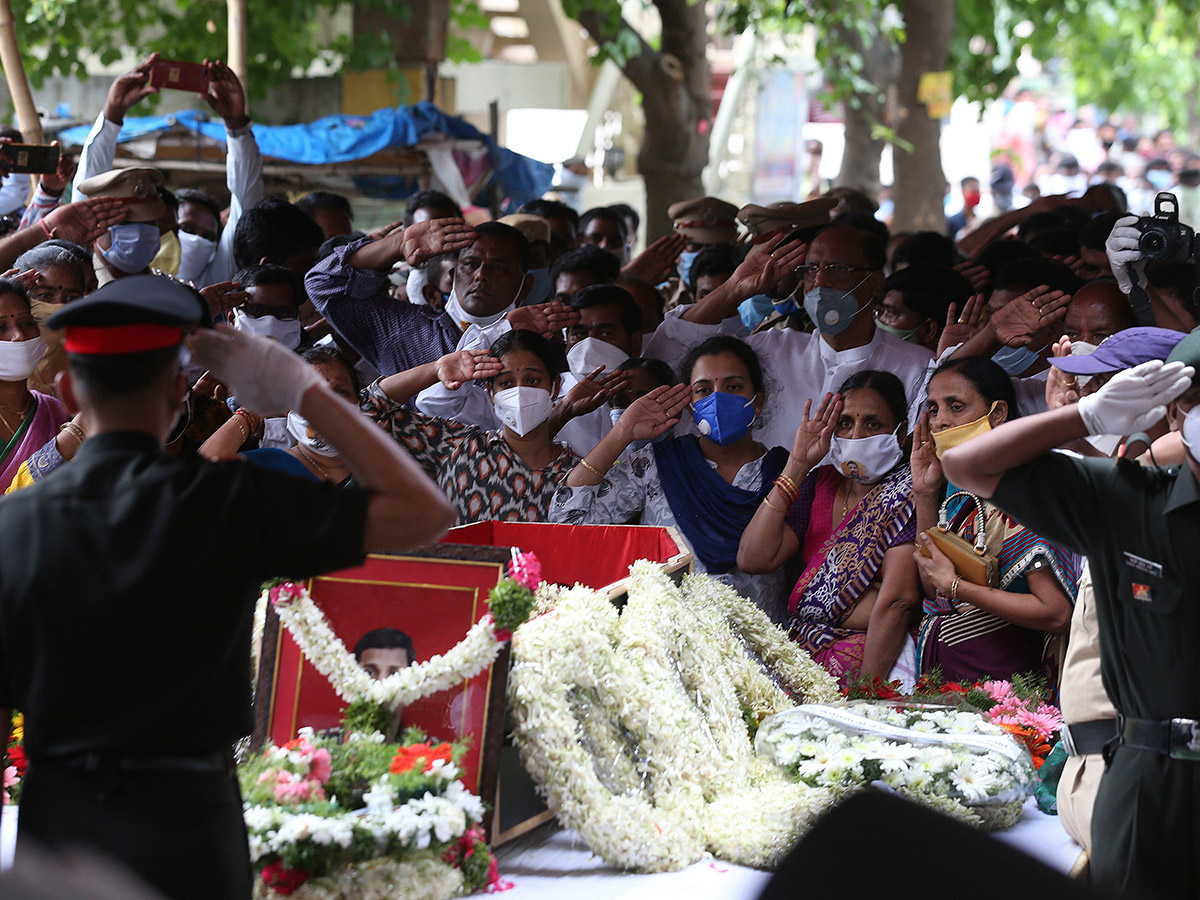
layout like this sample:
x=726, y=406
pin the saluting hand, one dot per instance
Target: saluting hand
x=1023, y=322
x=592, y=391
x=655, y=263
x=544, y=318
x=926, y=468
x=86, y=220
x=814, y=435
x=433, y=237
x=654, y=414
x=455, y=369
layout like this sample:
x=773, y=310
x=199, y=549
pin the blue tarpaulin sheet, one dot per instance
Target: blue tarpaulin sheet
x=339, y=139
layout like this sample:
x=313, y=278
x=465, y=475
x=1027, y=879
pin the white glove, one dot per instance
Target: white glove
x=1124, y=256
x=264, y=375
x=1136, y=398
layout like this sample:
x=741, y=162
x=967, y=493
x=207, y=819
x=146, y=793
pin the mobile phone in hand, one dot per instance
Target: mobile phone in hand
x=179, y=76
x=38, y=159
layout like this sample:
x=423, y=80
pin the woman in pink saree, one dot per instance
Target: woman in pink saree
x=851, y=523
x=28, y=419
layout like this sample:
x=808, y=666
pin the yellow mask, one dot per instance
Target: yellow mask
x=952, y=437
x=167, y=259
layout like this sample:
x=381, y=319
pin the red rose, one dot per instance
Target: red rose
x=281, y=880
x=17, y=757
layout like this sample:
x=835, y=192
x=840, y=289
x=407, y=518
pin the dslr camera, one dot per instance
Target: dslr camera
x=1163, y=236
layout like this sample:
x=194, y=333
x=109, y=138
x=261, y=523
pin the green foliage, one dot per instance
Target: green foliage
x=356, y=764
x=365, y=717
x=282, y=36
x=510, y=604
x=621, y=43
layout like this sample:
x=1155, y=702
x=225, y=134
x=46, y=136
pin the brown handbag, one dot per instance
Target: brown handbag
x=971, y=561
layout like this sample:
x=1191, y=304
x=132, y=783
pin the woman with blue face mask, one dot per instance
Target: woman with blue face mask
x=707, y=484
x=851, y=523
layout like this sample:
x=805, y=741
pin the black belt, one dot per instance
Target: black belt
x=1082, y=738
x=97, y=762
x=1176, y=738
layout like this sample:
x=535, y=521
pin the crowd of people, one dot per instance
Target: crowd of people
x=824, y=409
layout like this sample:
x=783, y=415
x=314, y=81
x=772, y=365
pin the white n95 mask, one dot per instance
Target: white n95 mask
x=523, y=408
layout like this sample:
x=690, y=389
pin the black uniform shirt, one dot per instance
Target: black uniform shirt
x=1140, y=530
x=127, y=589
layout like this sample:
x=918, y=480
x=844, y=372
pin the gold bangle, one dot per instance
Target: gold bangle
x=767, y=500
x=789, y=493
x=954, y=589
x=243, y=430
x=587, y=465
x=74, y=430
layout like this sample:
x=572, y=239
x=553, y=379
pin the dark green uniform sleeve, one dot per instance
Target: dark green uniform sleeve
x=1060, y=496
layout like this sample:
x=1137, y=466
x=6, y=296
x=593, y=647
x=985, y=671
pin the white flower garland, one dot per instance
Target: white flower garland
x=954, y=761
x=324, y=649
x=673, y=679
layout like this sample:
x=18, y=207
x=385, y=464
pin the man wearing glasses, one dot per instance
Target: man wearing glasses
x=841, y=281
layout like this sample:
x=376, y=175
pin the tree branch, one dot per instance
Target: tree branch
x=641, y=69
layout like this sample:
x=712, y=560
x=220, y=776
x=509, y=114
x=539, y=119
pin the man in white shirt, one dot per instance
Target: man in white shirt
x=243, y=162
x=842, y=283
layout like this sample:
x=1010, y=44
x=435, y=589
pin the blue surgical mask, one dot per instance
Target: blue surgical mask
x=787, y=306
x=754, y=310
x=541, y=289
x=1160, y=178
x=724, y=418
x=831, y=309
x=1014, y=360
x=686, y=258
x=133, y=246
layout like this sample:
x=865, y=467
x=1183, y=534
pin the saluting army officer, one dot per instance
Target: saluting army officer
x=1140, y=530
x=127, y=594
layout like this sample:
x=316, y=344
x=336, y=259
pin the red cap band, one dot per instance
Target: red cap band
x=92, y=341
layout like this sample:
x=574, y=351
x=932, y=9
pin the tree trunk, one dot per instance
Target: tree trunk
x=920, y=182
x=676, y=86
x=678, y=109
x=860, y=159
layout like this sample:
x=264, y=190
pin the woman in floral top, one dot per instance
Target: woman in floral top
x=507, y=475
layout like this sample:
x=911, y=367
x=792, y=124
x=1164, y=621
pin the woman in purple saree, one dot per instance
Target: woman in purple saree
x=27, y=418
x=851, y=523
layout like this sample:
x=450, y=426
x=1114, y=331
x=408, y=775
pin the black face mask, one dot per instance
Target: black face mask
x=184, y=420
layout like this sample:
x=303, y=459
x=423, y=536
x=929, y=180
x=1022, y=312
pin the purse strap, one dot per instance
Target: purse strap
x=980, y=522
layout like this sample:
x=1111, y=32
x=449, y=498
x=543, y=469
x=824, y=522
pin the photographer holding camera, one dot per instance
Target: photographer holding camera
x=1133, y=243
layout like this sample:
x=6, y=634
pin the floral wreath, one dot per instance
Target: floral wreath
x=638, y=726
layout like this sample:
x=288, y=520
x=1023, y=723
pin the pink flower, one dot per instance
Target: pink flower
x=1045, y=721
x=1000, y=691
x=526, y=570
x=284, y=593
x=321, y=766
x=10, y=780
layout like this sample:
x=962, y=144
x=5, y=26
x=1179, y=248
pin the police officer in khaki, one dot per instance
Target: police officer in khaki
x=128, y=247
x=1139, y=526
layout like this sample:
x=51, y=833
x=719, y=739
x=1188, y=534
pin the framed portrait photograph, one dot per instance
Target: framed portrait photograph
x=392, y=612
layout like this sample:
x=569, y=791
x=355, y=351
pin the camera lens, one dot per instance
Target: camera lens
x=1153, y=242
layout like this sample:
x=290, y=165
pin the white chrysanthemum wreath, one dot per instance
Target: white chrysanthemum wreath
x=636, y=726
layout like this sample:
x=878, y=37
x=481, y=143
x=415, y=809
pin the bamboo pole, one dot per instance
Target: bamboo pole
x=236, y=21
x=14, y=74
